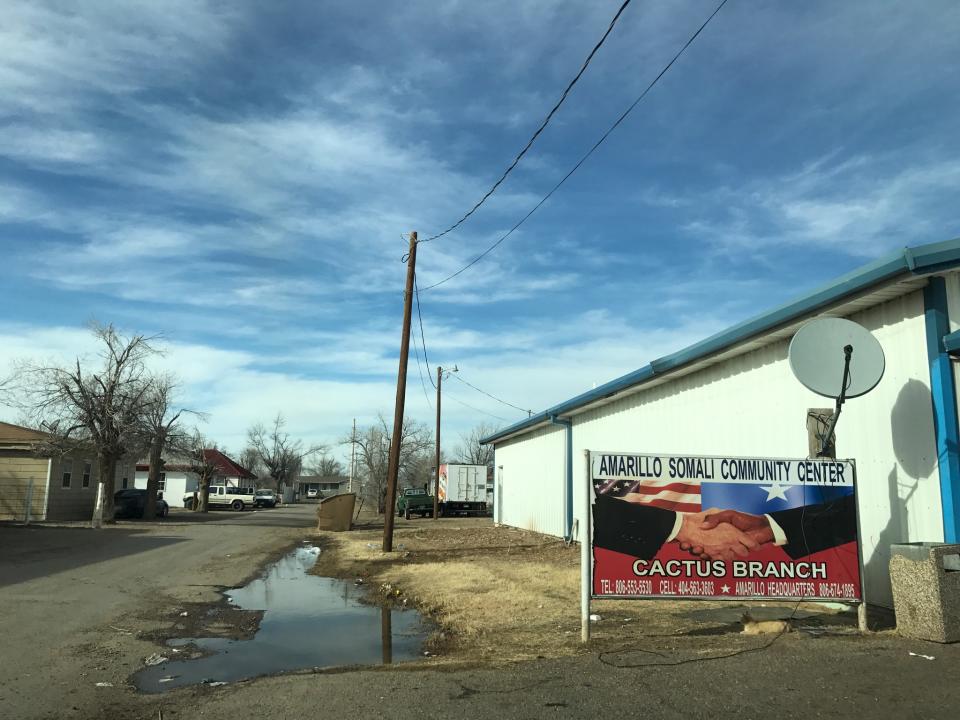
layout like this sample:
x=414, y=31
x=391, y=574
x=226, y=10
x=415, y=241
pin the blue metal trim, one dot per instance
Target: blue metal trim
x=567, y=424
x=944, y=393
x=920, y=260
x=951, y=343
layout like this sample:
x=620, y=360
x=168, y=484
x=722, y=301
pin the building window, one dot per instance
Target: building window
x=87, y=469
x=67, y=468
x=162, y=485
x=123, y=484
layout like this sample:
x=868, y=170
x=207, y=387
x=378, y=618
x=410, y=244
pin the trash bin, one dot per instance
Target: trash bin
x=926, y=590
x=336, y=512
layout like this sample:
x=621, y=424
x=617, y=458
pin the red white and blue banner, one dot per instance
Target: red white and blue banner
x=673, y=526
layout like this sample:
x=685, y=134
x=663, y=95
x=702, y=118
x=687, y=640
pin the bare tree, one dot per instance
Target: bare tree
x=203, y=466
x=161, y=427
x=281, y=455
x=99, y=408
x=250, y=459
x=373, y=451
x=326, y=466
x=470, y=451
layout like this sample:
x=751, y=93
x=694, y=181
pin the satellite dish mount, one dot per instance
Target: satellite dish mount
x=815, y=358
x=825, y=438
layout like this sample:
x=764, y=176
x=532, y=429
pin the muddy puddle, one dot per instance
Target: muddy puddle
x=308, y=622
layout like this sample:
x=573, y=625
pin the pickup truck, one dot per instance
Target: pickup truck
x=414, y=501
x=225, y=496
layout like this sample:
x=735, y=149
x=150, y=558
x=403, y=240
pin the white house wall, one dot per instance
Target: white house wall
x=752, y=405
x=528, y=481
x=176, y=485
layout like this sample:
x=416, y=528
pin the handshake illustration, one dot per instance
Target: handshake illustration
x=627, y=525
x=724, y=534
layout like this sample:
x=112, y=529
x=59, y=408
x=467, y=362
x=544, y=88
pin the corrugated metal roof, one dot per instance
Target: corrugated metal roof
x=869, y=285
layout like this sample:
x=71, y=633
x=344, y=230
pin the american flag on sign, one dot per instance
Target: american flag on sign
x=666, y=494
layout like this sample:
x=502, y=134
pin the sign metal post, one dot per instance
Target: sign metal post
x=586, y=566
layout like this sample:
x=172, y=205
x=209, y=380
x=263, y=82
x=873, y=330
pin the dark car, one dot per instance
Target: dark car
x=266, y=498
x=130, y=503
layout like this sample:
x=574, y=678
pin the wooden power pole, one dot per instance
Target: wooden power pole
x=393, y=467
x=353, y=452
x=436, y=479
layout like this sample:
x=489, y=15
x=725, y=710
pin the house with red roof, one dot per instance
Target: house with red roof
x=177, y=479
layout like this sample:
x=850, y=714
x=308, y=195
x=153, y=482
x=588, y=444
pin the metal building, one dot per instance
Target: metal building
x=734, y=394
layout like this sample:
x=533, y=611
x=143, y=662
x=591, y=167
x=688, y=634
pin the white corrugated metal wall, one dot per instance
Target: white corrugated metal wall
x=752, y=405
x=528, y=482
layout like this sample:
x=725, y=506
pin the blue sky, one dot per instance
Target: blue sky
x=238, y=177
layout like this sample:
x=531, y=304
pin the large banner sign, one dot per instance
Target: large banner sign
x=724, y=528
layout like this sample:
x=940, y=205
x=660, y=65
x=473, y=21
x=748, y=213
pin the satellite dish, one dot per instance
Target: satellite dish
x=818, y=355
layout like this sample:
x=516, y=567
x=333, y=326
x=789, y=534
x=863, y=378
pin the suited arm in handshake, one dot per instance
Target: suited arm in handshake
x=628, y=526
x=799, y=531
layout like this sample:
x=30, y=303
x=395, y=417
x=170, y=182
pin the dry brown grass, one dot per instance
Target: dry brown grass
x=497, y=594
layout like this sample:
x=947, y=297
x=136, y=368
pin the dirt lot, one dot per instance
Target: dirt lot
x=499, y=594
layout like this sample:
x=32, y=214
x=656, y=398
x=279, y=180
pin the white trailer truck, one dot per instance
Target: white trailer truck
x=463, y=490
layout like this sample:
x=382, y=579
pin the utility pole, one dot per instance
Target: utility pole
x=436, y=479
x=393, y=468
x=353, y=449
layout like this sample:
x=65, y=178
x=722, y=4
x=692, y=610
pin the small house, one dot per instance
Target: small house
x=177, y=479
x=53, y=485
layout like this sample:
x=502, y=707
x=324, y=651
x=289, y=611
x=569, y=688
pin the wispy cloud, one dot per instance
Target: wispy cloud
x=860, y=206
x=238, y=175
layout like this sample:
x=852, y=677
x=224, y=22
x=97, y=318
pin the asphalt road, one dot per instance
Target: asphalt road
x=72, y=598
x=798, y=677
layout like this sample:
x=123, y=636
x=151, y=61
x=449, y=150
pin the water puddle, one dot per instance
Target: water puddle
x=308, y=621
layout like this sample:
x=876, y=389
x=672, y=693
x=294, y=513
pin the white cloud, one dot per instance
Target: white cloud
x=531, y=366
x=58, y=57
x=860, y=206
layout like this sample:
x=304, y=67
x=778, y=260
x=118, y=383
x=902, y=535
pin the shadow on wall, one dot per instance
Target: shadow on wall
x=916, y=461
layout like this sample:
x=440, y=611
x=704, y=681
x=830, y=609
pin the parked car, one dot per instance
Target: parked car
x=225, y=496
x=313, y=493
x=266, y=498
x=415, y=501
x=131, y=502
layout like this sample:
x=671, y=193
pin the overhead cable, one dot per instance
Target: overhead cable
x=539, y=130
x=492, y=397
x=416, y=354
x=583, y=159
x=476, y=409
x=423, y=341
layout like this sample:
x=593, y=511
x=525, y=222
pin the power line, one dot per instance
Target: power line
x=539, y=130
x=484, y=392
x=416, y=354
x=423, y=341
x=475, y=409
x=589, y=152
